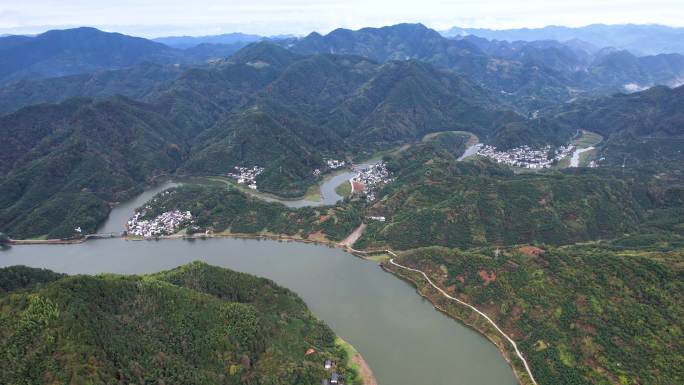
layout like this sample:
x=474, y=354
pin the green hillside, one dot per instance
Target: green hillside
x=220, y=209
x=62, y=164
x=195, y=324
x=644, y=130
x=597, y=314
x=437, y=200
x=136, y=83
x=266, y=106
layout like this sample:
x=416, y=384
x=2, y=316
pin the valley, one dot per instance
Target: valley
x=530, y=192
x=368, y=310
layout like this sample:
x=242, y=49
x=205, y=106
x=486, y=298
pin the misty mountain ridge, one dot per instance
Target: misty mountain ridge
x=640, y=39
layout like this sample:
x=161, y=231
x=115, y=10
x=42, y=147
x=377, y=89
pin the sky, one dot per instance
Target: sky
x=154, y=18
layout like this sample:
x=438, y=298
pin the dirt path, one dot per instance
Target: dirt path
x=353, y=237
x=444, y=293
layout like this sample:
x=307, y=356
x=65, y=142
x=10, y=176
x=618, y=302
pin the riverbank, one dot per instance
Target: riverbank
x=200, y=236
x=346, y=245
x=379, y=314
x=472, y=319
x=357, y=363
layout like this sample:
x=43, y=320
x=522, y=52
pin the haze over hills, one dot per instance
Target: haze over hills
x=527, y=76
x=524, y=73
x=85, y=50
x=81, y=50
x=640, y=39
x=183, y=42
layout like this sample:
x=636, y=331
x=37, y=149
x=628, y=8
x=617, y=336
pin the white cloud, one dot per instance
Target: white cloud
x=163, y=17
x=633, y=87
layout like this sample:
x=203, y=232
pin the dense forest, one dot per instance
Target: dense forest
x=288, y=109
x=195, y=324
x=285, y=115
x=438, y=200
x=581, y=266
x=593, y=314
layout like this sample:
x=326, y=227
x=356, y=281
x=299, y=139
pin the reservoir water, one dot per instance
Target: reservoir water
x=402, y=337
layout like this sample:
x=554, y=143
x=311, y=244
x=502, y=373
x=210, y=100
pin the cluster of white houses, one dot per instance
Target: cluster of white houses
x=164, y=224
x=332, y=164
x=368, y=179
x=335, y=164
x=525, y=156
x=334, y=377
x=247, y=175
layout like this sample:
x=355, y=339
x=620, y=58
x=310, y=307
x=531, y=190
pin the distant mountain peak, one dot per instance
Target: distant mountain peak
x=264, y=51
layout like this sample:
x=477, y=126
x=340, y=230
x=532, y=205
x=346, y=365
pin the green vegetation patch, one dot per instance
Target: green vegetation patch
x=228, y=210
x=580, y=314
x=344, y=189
x=587, y=139
x=436, y=200
x=195, y=324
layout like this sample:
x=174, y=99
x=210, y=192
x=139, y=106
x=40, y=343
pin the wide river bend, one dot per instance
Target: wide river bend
x=403, y=339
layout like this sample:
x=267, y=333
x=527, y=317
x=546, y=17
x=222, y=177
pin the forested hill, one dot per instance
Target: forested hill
x=644, y=130
x=135, y=82
x=526, y=75
x=74, y=51
x=265, y=106
x=437, y=200
x=284, y=110
x=581, y=314
x=195, y=324
x=62, y=164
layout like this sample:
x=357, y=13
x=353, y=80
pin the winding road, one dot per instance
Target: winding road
x=517, y=352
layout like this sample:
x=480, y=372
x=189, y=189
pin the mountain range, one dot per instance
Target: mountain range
x=527, y=76
x=581, y=266
x=265, y=106
x=289, y=104
x=86, y=50
x=184, y=42
x=651, y=39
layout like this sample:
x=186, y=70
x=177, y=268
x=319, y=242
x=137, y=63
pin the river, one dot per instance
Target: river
x=403, y=339
x=327, y=189
x=124, y=211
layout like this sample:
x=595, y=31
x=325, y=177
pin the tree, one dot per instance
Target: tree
x=4, y=239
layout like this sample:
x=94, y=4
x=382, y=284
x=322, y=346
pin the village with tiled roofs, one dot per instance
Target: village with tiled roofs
x=526, y=156
x=247, y=175
x=164, y=224
x=367, y=180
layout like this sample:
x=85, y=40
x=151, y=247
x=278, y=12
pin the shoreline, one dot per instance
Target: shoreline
x=504, y=351
x=364, y=371
x=258, y=236
x=355, y=358
x=329, y=243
